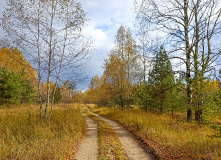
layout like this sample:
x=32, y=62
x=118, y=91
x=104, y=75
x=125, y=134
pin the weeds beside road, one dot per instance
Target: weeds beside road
x=168, y=138
x=24, y=136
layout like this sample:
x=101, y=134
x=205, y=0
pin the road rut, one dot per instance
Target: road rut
x=132, y=147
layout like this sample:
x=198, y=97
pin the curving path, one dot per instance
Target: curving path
x=132, y=147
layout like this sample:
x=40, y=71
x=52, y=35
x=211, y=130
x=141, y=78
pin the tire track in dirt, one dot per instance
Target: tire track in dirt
x=88, y=150
x=132, y=147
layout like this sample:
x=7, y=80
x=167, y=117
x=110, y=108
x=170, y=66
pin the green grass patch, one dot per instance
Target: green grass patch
x=24, y=136
x=169, y=138
x=108, y=141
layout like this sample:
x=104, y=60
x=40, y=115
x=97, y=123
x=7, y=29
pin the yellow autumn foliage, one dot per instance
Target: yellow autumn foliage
x=13, y=60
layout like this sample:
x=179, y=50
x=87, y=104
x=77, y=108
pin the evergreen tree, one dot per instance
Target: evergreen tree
x=10, y=87
x=57, y=96
x=142, y=96
x=161, y=80
x=14, y=88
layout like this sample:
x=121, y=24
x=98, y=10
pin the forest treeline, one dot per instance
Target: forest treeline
x=18, y=82
x=124, y=83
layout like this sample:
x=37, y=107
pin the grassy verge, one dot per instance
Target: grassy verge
x=169, y=138
x=24, y=136
x=108, y=141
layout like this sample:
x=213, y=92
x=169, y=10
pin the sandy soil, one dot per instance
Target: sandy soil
x=130, y=144
x=88, y=150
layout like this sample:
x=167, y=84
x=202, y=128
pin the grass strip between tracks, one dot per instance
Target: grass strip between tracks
x=108, y=141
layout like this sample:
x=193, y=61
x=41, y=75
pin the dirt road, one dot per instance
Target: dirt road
x=132, y=147
x=88, y=150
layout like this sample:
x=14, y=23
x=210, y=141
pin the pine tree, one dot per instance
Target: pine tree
x=161, y=80
x=57, y=96
x=142, y=96
x=14, y=88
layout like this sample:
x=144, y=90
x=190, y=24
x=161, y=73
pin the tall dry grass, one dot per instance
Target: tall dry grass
x=170, y=138
x=24, y=136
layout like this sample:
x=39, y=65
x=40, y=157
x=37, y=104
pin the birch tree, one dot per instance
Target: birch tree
x=125, y=50
x=50, y=33
x=189, y=27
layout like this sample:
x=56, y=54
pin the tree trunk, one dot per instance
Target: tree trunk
x=144, y=64
x=197, y=80
x=188, y=75
x=198, y=115
x=39, y=64
x=172, y=112
x=55, y=87
x=121, y=90
x=49, y=61
x=161, y=103
x=146, y=104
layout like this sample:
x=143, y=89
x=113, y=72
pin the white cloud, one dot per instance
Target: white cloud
x=105, y=18
x=100, y=36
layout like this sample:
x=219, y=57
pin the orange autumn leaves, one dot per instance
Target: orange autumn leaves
x=13, y=60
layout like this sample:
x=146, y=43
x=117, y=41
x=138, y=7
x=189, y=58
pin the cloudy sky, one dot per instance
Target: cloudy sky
x=106, y=16
x=2, y=6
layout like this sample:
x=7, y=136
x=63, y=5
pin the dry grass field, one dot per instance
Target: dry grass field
x=24, y=136
x=169, y=138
